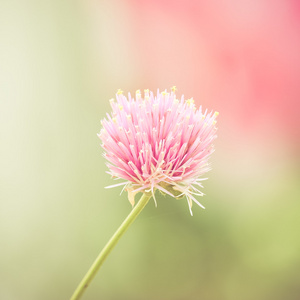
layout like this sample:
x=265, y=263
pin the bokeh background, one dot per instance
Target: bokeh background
x=61, y=61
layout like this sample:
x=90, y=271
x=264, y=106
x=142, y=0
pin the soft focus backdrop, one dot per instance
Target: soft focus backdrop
x=60, y=63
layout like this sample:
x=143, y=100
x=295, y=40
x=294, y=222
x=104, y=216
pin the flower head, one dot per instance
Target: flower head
x=158, y=143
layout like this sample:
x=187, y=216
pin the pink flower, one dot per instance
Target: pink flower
x=158, y=143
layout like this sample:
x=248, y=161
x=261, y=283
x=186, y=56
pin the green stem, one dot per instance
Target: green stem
x=109, y=246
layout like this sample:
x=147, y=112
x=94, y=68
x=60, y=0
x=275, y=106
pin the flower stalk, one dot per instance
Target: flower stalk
x=109, y=246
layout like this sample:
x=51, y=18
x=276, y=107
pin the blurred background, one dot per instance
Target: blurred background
x=61, y=61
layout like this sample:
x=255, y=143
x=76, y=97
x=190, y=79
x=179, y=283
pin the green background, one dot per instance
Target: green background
x=60, y=64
